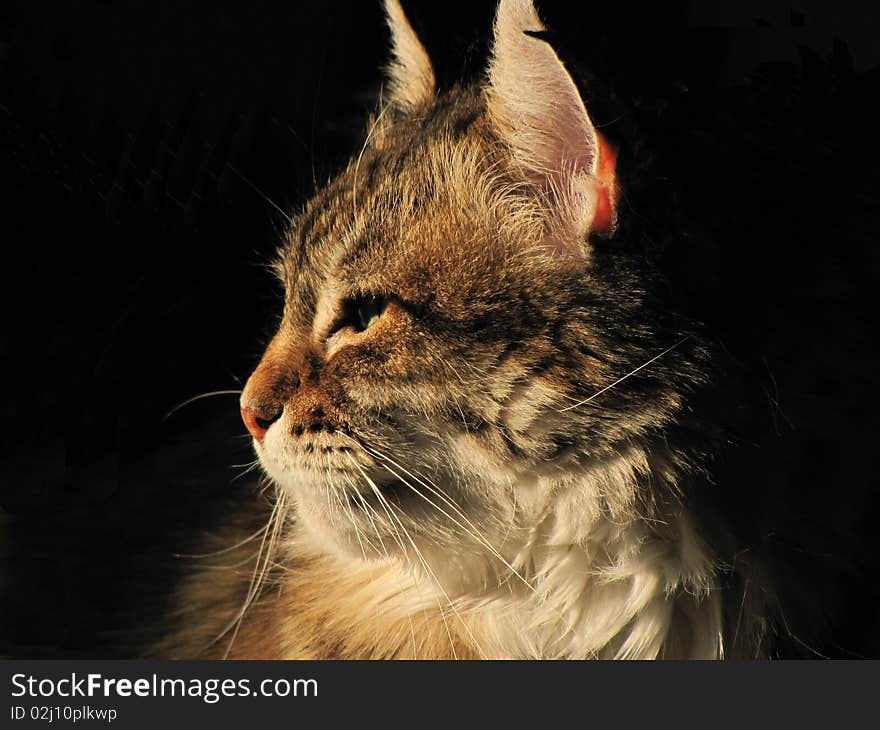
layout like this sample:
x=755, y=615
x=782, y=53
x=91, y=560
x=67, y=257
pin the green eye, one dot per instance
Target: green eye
x=369, y=310
x=359, y=313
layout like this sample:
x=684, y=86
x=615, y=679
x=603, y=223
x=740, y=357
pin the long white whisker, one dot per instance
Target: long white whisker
x=439, y=492
x=368, y=509
x=260, y=569
x=260, y=193
x=422, y=560
x=433, y=575
x=357, y=164
x=358, y=533
x=474, y=531
x=270, y=551
x=259, y=554
x=385, y=506
x=253, y=466
x=229, y=549
x=621, y=379
x=195, y=398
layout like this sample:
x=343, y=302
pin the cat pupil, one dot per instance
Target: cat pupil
x=368, y=312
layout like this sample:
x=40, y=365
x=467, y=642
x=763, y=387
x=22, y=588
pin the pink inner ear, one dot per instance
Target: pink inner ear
x=607, y=190
x=538, y=111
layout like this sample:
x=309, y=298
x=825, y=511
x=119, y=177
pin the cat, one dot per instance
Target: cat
x=489, y=432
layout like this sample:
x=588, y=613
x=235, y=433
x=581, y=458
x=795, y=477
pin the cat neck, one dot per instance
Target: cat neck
x=598, y=577
x=609, y=575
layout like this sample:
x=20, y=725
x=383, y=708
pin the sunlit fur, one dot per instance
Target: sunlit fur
x=499, y=467
x=410, y=74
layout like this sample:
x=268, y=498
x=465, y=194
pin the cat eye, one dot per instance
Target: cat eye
x=368, y=310
x=360, y=313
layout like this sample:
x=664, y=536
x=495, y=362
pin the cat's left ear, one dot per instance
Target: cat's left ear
x=537, y=110
x=410, y=74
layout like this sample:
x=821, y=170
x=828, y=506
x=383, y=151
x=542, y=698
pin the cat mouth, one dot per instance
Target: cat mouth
x=348, y=477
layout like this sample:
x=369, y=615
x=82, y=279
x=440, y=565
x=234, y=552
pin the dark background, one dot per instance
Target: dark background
x=150, y=151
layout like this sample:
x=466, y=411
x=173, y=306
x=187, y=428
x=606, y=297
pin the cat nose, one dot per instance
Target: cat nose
x=258, y=422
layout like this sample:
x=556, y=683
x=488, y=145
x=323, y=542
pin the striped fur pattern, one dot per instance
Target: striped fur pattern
x=493, y=462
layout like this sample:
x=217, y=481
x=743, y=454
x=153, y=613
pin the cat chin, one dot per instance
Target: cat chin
x=335, y=519
x=330, y=519
x=442, y=564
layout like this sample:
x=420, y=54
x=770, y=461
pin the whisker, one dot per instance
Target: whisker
x=246, y=465
x=357, y=163
x=195, y=398
x=388, y=506
x=261, y=193
x=252, y=467
x=240, y=612
x=384, y=504
x=387, y=556
x=433, y=575
x=474, y=532
x=621, y=379
x=439, y=492
x=260, y=581
x=226, y=567
x=352, y=520
x=258, y=575
x=369, y=511
x=224, y=550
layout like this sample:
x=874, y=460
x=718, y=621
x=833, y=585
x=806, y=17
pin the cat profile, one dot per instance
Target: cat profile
x=489, y=434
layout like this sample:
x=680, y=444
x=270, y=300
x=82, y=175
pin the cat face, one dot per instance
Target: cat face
x=445, y=318
x=416, y=344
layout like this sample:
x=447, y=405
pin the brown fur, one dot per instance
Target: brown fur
x=311, y=607
x=392, y=224
x=487, y=424
x=493, y=323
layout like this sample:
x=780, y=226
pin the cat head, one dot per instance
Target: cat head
x=456, y=357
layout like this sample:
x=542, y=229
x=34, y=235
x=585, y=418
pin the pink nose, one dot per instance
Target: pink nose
x=258, y=422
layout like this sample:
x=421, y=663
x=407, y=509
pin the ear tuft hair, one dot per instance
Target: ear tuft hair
x=410, y=74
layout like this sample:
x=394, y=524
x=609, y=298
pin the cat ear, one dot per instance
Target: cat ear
x=537, y=110
x=410, y=74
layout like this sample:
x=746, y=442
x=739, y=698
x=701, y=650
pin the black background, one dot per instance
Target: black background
x=148, y=154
